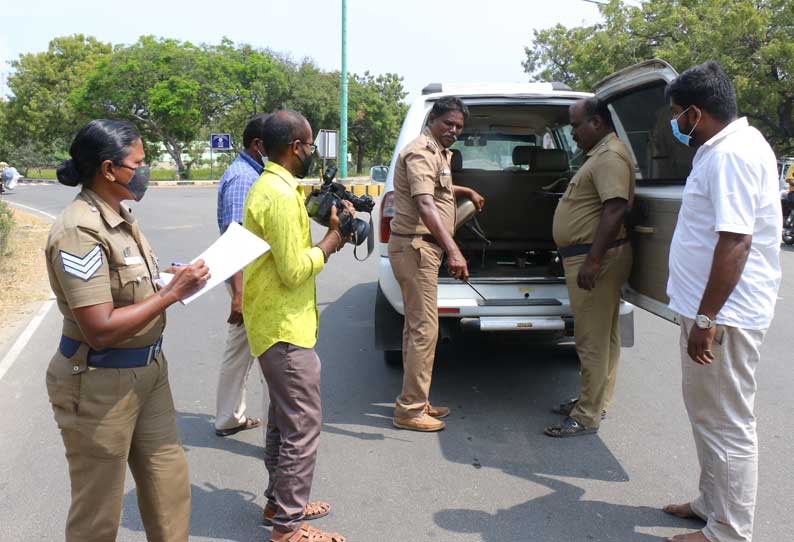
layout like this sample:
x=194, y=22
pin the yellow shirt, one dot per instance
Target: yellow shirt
x=279, y=298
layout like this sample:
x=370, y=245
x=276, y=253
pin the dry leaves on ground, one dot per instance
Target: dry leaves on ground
x=23, y=274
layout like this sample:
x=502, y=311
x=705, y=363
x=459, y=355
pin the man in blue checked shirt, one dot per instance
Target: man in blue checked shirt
x=241, y=174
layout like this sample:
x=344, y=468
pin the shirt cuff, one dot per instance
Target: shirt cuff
x=317, y=258
x=734, y=228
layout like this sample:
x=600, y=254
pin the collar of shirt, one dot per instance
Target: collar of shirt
x=110, y=216
x=429, y=135
x=603, y=143
x=286, y=176
x=251, y=162
x=732, y=128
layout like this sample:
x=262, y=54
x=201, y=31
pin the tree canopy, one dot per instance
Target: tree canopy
x=752, y=39
x=177, y=92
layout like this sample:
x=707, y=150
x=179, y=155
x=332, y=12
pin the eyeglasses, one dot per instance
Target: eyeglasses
x=312, y=146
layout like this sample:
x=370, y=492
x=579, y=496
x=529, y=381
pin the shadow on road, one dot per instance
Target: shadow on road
x=223, y=514
x=197, y=430
x=500, y=389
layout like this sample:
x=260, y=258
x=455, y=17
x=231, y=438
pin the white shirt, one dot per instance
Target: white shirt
x=733, y=187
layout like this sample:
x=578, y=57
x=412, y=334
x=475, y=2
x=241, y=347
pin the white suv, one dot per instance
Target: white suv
x=517, y=152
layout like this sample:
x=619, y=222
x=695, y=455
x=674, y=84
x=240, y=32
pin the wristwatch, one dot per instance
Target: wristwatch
x=704, y=322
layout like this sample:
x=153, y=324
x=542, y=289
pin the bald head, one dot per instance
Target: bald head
x=282, y=128
x=591, y=121
x=287, y=138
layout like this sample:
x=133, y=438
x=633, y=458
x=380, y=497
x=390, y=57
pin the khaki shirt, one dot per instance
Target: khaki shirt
x=423, y=167
x=96, y=255
x=607, y=173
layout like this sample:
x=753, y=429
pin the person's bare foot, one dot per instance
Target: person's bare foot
x=680, y=510
x=696, y=536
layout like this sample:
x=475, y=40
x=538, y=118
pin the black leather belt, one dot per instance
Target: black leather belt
x=113, y=358
x=425, y=237
x=578, y=250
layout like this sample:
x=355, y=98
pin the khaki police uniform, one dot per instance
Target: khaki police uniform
x=113, y=417
x=423, y=167
x=607, y=173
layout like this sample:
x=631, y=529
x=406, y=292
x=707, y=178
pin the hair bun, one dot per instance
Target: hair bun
x=68, y=173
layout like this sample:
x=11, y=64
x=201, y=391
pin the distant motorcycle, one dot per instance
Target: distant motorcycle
x=787, y=201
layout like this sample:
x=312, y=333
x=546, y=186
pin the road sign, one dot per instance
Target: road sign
x=220, y=142
x=327, y=144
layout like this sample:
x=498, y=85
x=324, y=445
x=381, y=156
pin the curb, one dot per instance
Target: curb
x=357, y=187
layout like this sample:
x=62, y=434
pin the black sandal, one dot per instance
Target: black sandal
x=569, y=428
x=249, y=423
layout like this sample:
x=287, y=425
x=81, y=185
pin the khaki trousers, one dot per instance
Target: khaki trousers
x=415, y=265
x=235, y=367
x=720, y=398
x=597, y=331
x=294, y=422
x=109, y=419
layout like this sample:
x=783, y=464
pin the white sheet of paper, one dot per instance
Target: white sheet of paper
x=233, y=250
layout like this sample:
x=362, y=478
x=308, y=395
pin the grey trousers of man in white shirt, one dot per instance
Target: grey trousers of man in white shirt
x=235, y=366
x=719, y=399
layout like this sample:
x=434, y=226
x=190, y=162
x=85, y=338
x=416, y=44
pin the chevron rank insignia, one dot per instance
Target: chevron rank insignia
x=82, y=267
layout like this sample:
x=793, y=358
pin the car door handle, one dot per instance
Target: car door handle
x=645, y=229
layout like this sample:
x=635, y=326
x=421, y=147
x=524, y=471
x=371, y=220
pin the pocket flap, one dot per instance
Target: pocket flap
x=132, y=273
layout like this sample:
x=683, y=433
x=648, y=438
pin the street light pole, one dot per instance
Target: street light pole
x=343, y=106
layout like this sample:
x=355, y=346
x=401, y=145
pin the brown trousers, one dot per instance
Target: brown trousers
x=111, y=418
x=597, y=331
x=415, y=265
x=294, y=422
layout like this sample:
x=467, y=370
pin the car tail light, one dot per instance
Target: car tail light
x=448, y=310
x=386, y=214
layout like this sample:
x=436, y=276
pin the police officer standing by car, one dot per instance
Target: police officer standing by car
x=108, y=380
x=422, y=232
x=591, y=238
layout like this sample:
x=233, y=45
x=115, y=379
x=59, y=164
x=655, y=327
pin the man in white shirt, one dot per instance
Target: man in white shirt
x=724, y=278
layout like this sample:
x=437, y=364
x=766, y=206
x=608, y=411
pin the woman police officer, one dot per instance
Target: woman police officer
x=108, y=380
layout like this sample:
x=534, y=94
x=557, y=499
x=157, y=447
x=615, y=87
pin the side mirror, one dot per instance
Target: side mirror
x=378, y=174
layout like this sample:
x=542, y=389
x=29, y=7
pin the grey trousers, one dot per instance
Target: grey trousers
x=293, y=430
x=719, y=399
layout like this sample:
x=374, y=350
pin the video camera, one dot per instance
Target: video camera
x=330, y=194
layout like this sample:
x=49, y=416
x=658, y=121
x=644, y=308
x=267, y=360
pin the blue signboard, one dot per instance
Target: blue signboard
x=220, y=142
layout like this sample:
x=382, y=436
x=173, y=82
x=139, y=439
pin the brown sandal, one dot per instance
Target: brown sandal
x=313, y=510
x=304, y=533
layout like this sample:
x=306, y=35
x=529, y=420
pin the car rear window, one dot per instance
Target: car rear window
x=645, y=117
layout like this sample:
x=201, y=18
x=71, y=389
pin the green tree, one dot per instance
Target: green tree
x=40, y=113
x=167, y=88
x=376, y=112
x=752, y=39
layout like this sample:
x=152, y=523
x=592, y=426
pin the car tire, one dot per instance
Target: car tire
x=393, y=358
x=388, y=328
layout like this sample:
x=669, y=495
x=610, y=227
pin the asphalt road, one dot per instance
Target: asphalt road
x=490, y=476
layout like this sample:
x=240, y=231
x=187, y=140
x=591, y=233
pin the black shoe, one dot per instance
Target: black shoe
x=565, y=409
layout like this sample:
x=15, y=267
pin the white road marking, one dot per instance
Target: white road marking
x=22, y=341
x=15, y=204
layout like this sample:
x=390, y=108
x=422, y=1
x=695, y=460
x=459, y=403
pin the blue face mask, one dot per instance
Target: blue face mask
x=686, y=139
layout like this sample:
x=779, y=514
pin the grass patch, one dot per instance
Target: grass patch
x=6, y=227
x=23, y=272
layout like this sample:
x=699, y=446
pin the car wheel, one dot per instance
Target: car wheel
x=393, y=358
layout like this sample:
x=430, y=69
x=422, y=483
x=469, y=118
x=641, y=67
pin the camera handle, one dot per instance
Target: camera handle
x=370, y=242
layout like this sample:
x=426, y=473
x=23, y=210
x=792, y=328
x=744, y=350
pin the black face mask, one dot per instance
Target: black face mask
x=139, y=182
x=306, y=166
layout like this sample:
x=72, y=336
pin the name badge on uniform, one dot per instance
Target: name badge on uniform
x=445, y=172
x=132, y=260
x=83, y=267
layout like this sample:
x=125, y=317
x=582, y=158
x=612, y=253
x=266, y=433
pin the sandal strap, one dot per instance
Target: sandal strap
x=306, y=533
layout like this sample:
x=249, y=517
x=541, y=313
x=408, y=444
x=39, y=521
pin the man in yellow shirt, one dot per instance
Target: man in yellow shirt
x=280, y=312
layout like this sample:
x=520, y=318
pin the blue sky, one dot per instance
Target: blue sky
x=422, y=40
